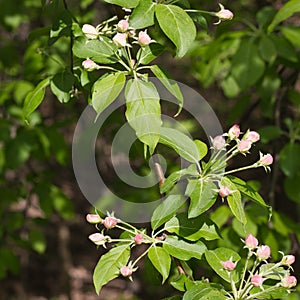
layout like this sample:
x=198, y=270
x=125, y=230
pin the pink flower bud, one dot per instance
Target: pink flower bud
x=122, y=26
x=289, y=281
x=266, y=160
x=234, y=132
x=144, y=39
x=288, y=260
x=89, y=65
x=120, y=39
x=224, y=191
x=90, y=31
x=263, y=252
x=93, y=218
x=219, y=142
x=257, y=280
x=110, y=222
x=138, y=238
x=251, y=136
x=244, y=145
x=228, y=265
x=224, y=14
x=126, y=271
x=251, y=241
x=98, y=238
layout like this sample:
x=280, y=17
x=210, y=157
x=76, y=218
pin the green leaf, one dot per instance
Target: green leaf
x=143, y=111
x=292, y=34
x=284, y=48
x=248, y=191
x=247, y=66
x=267, y=49
x=234, y=200
x=99, y=51
x=286, y=11
x=169, y=84
x=269, y=133
x=161, y=260
x=124, y=3
x=183, y=250
x=271, y=293
x=290, y=160
x=148, y=53
x=203, y=195
x=37, y=241
x=193, y=229
x=177, y=25
x=181, y=143
x=219, y=255
x=34, y=98
x=202, y=147
x=108, y=267
x=106, y=89
x=166, y=210
x=176, y=176
x=143, y=15
x=292, y=188
x=198, y=18
x=61, y=85
x=204, y=291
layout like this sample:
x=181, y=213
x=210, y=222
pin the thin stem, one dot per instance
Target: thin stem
x=234, y=290
x=253, y=296
x=240, y=169
x=142, y=255
x=244, y=272
x=201, y=11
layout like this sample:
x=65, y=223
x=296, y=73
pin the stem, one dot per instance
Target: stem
x=259, y=293
x=240, y=169
x=234, y=290
x=142, y=255
x=200, y=11
x=244, y=273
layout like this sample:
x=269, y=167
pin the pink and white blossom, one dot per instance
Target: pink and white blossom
x=244, y=145
x=266, y=160
x=251, y=136
x=138, y=238
x=93, y=218
x=289, y=281
x=224, y=191
x=89, y=65
x=251, y=242
x=257, y=280
x=263, y=252
x=122, y=26
x=120, y=39
x=126, y=271
x=288, y=260
x=234, y=132
x=144, y=39
x=110, y=222
x=219, y=142
x=228, y=265
x=90, y=31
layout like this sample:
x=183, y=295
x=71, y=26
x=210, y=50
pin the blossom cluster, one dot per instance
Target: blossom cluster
x=258, y=274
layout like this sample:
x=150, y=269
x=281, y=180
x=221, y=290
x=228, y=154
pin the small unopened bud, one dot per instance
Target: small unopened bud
x=266, y=160
x=219, y=142
x=263, y=252
x=110, y=222
x=228, y=265
x=138, y=239
x=224, y=191
x=93, y=218
x=89, y=65
x=126, y=271
x=120, y=39
x=122, y=25
x=244, y=146
x=289, y=281
x=251, y=136
x=224, y=14
x=234, y=132
x=90, y=31
x=251, y=241
x=144, y=39
x=98, y=238
x=288, y=260
x=257, y=280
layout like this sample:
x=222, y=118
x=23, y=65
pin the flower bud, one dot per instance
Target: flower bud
x=93, y=218
x=120, y=39
x=89, y=65
x=251, y=136
x=122, y=25
x=224, y=191
x=266, y=160
x=138, y=239
x=234, y=132
x=289, y=281
x=224, y=14
x=288, y=260
x=144, y=39
x=98, y=238
x=126, y=271
x=251, y=241
x=263, y=252
x=219, y=142
x=90, y=31
x=244, y=145
x=257, y=280
x=110, y=222
x=228, y=265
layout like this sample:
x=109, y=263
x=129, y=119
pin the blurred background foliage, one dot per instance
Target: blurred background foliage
x=249, y=75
